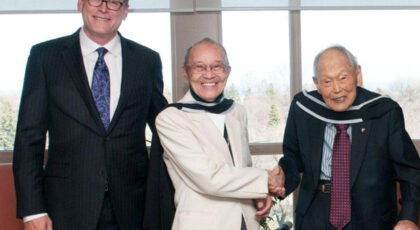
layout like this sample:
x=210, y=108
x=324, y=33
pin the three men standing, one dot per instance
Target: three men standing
x=94, y=91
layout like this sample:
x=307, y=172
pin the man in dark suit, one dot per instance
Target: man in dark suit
x=93, y=92
x=351, y=147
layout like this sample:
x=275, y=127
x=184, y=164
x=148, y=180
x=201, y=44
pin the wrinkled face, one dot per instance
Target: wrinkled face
x=337, y=80
x=100, y=23
x=206, y=73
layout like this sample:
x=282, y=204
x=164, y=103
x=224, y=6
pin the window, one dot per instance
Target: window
x=25, y=30
x=156, y=35
x=386, y=45
x=258, y=51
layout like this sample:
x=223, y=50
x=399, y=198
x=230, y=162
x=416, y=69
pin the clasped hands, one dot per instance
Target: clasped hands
x=276, y=180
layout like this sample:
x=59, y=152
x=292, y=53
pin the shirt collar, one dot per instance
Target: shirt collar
x=88, y=46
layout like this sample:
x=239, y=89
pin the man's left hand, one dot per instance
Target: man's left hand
x=406, y=225
x=263, y=206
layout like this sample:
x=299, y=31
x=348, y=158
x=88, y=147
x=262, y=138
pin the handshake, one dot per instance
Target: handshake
x=276, y=180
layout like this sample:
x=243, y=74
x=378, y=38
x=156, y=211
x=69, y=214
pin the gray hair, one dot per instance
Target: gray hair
x=206, y=40
x=352, y=59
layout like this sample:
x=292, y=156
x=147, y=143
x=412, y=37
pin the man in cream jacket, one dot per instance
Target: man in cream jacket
x=206, y=152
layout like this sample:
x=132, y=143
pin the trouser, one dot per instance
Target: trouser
x=243, y=225
x=317, y=216
x=107, y=220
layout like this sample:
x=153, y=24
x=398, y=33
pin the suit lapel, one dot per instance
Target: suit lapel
x=233, y=129
x=205, y=126
x=360, y=136
x=316, y=137
x=126, y=74
x=72, y=57
x=130, y=77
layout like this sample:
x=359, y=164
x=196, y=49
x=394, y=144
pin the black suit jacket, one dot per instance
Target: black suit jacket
x=381, y=154
x=57, y=99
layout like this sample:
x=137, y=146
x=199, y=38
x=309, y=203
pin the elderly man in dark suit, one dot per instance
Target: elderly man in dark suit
x=351, y=147
x=93, y=92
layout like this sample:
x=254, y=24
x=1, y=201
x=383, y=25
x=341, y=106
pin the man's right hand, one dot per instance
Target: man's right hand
x=276, y=179
x=41, y=223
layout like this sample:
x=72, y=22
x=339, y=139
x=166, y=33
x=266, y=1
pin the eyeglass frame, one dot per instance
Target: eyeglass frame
x=210, y=68
x=106, y=3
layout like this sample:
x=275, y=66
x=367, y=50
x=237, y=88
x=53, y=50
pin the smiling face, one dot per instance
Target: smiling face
x=100, y=23
x=206, y=71
x=337, y=80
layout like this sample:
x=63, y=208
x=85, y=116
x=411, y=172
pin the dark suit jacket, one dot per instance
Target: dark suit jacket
x=56, y=98
x=381, y=154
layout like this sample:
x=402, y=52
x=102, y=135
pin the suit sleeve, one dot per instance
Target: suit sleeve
x=406, y=163
x=159, y=206
x=291, y=162
x=30, y=139
x=200, y=172
x=158, y=102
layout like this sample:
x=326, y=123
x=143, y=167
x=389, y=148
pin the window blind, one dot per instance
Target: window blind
x=215, y=5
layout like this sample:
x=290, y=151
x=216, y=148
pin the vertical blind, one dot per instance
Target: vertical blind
x=209, y=5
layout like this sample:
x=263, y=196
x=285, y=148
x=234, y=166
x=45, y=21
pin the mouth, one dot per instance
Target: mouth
x=339, y=99
x=99, y=18
x=209, y=84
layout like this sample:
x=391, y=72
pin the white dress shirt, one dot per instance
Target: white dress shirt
x=113, y=60
x=218, y=120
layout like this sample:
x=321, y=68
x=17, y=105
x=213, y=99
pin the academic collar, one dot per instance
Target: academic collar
x=373, y=107
x=220, y=106
x=88, y=46
x=199, y=99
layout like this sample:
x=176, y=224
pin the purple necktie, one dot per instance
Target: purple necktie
x=340, y=206
x=101, y=87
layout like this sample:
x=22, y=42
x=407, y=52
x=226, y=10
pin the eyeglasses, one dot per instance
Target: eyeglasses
x=110, y=4
x=201, y=68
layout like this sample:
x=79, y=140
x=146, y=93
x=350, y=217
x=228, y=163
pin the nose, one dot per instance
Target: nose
x=103, y=7
x=336, y=86
x=208, y=74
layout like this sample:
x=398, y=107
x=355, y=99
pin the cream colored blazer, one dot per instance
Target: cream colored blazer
x=210, y=191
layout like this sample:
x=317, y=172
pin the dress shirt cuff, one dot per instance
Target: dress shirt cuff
x=33, y=217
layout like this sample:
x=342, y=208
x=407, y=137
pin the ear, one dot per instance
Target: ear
x=316, y=82
x=228, y=72
x=125, y=11
x=80, y=5
x=359, y=78
x=185, y=75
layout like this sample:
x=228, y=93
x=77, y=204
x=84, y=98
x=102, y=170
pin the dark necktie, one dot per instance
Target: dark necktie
x=340, y=207
x=101, y=87
x=226, y=136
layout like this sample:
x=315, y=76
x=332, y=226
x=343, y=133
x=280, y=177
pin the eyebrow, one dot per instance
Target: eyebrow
x=339, y=73
x=200, y=62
